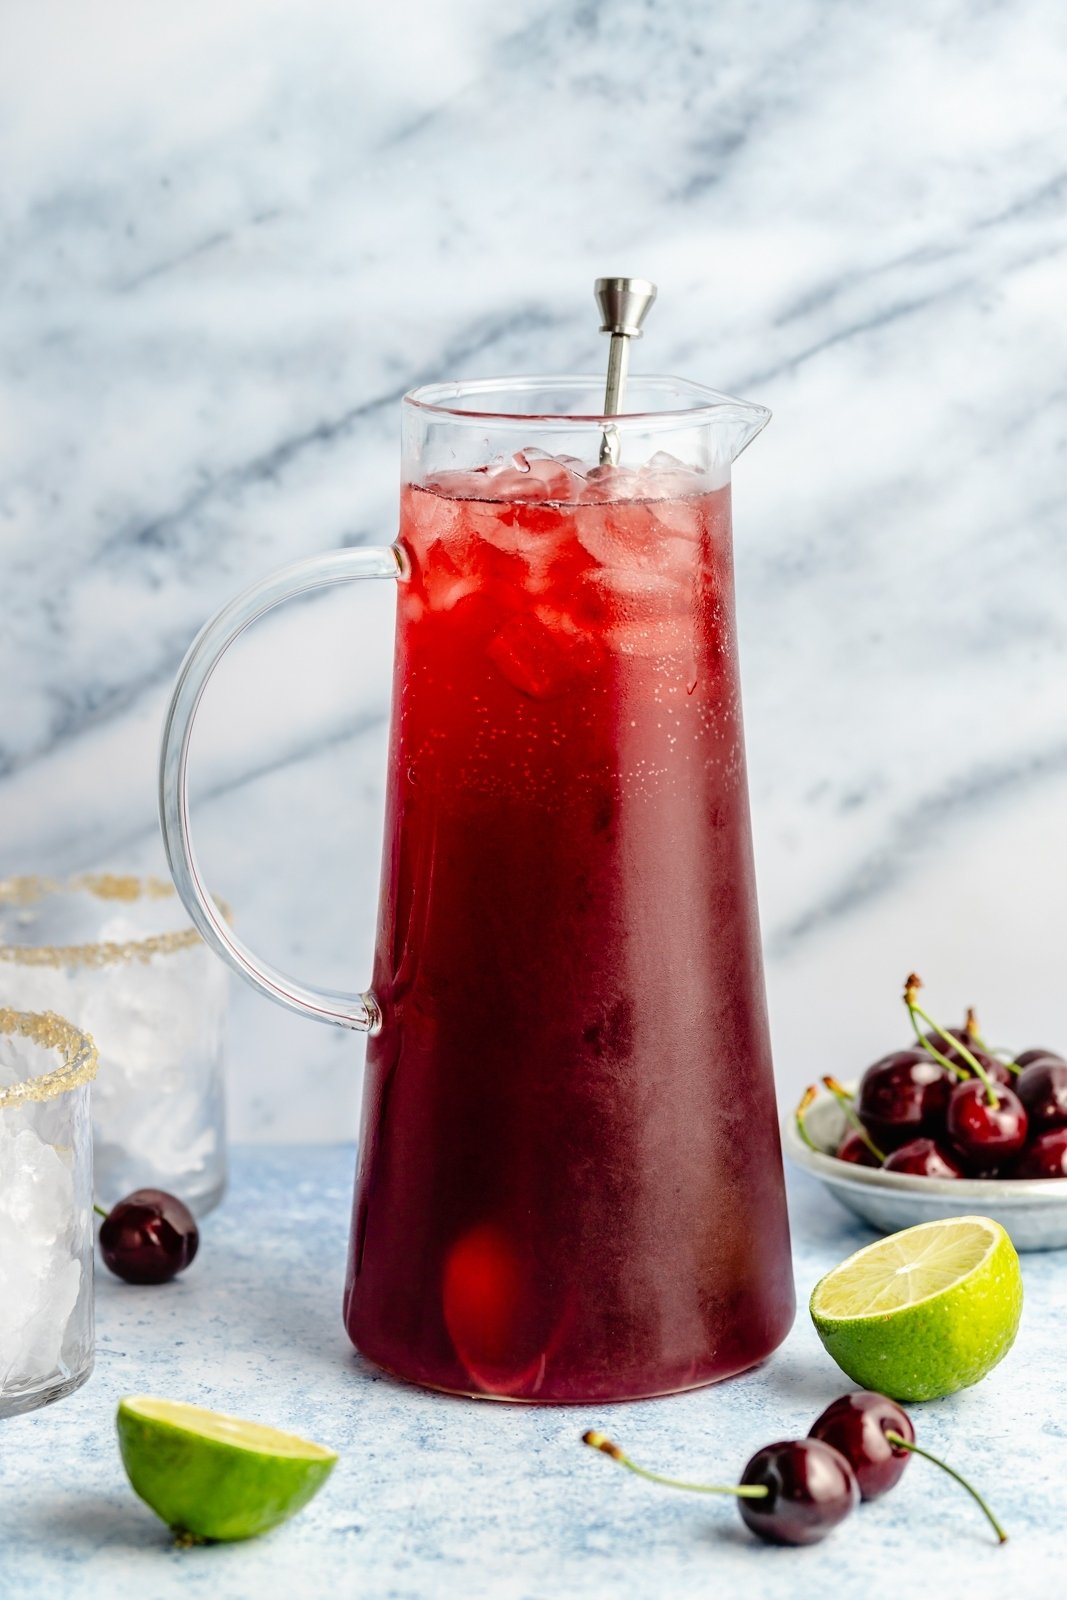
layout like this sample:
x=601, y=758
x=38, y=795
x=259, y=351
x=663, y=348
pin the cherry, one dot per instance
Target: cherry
x=1028, y=1057
x=149, y=1237
x=902, y=1096
x=986, y=1123
x=1042, y=1088
x=810, y=1489
x=858, y=1138
x=962, y=1036
x=964, y=1053
x=857, y=1425
x=985, y=1120
x=923, y=1158
x=961, y=1050
x=999, y=1071
x=794, y=1492
x=1046, y=1157
x=855, y=1149
x=856, y=1145
x=962, y=1046
x=876, y=1438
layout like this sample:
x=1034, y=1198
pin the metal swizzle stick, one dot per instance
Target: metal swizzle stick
x=623, y=304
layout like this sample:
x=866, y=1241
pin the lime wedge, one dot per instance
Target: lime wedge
x=923, y=1312
x=214, y=1477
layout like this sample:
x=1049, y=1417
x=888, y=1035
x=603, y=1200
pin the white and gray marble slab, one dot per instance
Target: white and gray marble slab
x=233, y=235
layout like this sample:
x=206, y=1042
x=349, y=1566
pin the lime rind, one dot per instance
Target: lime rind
x=911, y=1339
x=215, y=1478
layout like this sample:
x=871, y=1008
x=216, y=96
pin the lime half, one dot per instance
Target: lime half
x=214, y=1477
x=923, y=1312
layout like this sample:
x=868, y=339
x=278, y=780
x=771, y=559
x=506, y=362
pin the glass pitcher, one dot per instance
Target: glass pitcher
x=569, y=1184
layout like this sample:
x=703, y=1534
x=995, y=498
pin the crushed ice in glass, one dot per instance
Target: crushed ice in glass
x=40, y=1253
x=158, y=1023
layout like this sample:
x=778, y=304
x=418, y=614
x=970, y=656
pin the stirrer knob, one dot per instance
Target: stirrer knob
x=624, y=304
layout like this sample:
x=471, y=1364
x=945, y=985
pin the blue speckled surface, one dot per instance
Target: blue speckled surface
x=437, y=1498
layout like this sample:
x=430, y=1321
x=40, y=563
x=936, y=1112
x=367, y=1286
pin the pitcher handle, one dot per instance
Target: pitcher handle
x=359, y=1011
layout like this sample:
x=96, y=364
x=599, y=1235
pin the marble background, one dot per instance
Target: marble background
x=234, y=235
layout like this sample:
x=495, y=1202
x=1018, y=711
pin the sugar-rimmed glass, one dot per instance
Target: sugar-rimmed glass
x=119, y=957
x=46, y=1210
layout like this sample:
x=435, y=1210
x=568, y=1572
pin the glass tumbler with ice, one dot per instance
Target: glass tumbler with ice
x=46, y=1210
x=118, y=956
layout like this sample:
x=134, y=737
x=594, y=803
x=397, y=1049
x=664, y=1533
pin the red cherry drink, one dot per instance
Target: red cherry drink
x=570, y=1183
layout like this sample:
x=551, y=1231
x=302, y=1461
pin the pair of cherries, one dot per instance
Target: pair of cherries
x=951, y=1109
x=149, y=1237
x=797, y=1491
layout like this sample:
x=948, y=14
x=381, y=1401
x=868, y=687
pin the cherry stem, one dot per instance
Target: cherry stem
x=970, y=1028
x=900, y=1443
x=950, y=1066
x=799, y=1116
x=743, y=1491
x=915, y=1010
x=844, y=1100
x=101, y=1212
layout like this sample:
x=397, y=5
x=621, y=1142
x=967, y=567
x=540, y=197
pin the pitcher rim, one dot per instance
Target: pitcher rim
x=713, y=404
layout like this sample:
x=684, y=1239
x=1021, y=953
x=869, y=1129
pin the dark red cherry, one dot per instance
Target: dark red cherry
x=793, y=1492
x=1045, y=1157
x=796, y=1491
x=954, y=1053
x=810, y=1489
x=951, y=1052
x=149, y=1237
x=857, y=1425
x=939, y=1042
x=902, y=1096
x=924, y=1158
x=997, y=1070
x=985, y=1135
x=852, y=1148
x=1028, y=1057
x=1042, y=1088
x=876, y=1438
x=994, y=1068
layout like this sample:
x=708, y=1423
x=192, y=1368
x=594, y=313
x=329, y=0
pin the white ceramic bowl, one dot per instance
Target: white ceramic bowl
x=1033, y=1210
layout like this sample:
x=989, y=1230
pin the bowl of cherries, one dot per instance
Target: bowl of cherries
x=945, y=1127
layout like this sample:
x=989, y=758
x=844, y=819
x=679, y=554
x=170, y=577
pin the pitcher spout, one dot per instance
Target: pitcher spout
x=751, y=420
x=739, y=421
